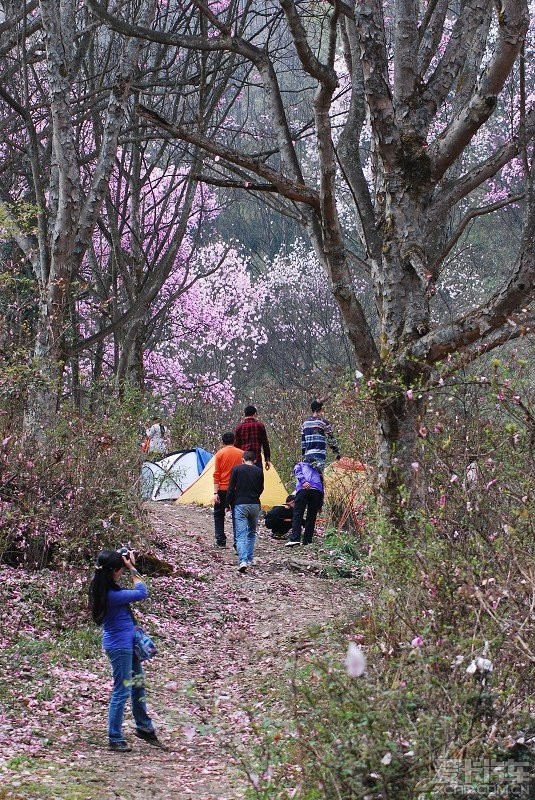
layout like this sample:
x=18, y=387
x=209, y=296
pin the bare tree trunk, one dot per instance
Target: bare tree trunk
x=43, y=393
x=130, y=370
x=398, y=487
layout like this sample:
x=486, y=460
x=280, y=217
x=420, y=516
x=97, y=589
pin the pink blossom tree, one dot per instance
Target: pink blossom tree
x=212, y=332
x=118, y=217
x=414, y=157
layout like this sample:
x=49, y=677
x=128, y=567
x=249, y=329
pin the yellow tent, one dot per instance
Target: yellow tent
x=201, y=491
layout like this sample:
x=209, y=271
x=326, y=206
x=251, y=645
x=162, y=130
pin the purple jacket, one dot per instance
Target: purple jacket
x=305, y=473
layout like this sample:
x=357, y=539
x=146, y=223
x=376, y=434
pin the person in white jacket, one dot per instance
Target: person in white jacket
x=157, y=437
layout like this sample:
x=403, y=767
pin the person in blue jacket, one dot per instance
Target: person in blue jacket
x=110, y=607
x=308, y=498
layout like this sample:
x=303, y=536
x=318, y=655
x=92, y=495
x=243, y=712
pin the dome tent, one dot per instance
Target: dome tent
x=201, y=492
x=168, y=478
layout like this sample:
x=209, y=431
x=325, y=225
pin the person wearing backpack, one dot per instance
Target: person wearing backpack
x=157, y=438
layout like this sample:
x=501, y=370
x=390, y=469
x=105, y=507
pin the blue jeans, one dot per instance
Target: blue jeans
x=128, y=682
x=245, y=519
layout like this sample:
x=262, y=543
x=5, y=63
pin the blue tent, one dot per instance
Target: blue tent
x=168, y=478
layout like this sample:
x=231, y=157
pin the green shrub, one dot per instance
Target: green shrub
x=459, y=587
x=81, y=493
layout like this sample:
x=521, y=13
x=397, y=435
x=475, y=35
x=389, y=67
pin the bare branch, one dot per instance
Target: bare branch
x=483, y=326
x=478, y=174
x=313, y=66
x=513, y=25
x=430, y=32
x=171, y=39
x=405, y=51
x=285, y=186
x=473, y=16
x=461, y=227
x=374, y=58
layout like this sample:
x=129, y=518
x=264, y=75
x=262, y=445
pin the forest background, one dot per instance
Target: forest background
x=205, y=205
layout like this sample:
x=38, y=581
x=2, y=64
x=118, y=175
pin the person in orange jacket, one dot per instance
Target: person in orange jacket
x=225, y=460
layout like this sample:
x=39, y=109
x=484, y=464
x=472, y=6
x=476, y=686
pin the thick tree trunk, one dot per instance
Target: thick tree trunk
x=130, y=369
x=398, y=488
x=44, y=392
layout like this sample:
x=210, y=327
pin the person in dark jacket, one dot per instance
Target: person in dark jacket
x=243, y=495
x=110, y=608
x=279, y=518
x=308, y=498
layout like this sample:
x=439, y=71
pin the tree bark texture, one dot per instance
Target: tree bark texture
x=72, y=206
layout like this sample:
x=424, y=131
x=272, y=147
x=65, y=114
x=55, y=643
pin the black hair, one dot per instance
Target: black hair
x=157, y=421
x=249, y=455
x=228, y=438
x=249, y=411
x=102, y=582
x=290, y=498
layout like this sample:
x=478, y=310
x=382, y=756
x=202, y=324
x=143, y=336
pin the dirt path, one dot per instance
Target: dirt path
x=220, y=634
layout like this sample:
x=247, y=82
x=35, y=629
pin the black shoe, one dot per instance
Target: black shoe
x=220, y=544
x=149, y=737
x=119, y=747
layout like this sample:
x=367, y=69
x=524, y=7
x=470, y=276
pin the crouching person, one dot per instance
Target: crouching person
x=308, y=499
x=279, y=519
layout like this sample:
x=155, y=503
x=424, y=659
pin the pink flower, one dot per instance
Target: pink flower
x=410, y=394
x=417, y=641
x=189, y=732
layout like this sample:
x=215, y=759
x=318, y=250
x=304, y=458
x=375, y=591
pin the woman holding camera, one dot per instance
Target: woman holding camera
x=110, y=607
